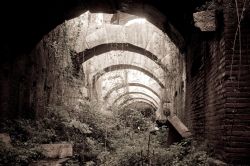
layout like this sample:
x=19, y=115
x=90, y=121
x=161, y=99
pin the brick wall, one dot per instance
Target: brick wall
x=217, y=105
x=195, y=89
x=237, y=86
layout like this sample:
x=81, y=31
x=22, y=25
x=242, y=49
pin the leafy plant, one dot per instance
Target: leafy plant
x=18, y=156
x=98, y=138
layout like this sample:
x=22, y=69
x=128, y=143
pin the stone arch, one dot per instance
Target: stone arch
x=142, y=39
x=132, y=96
x=104, y=63
x=87, y=54
x=136, y=99
x=57, y=14
x=129, y=84
x=49, y=50
x=129, y=93
x=87, y=42
x=125, y=66
x=124, y=76
x=144, y=102
x=131, y=89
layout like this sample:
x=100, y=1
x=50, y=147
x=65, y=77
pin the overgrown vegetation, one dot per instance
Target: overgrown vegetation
x=18, y=156
x=118, y=139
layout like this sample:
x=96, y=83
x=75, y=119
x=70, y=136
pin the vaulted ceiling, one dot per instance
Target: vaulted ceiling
x=24, y=23
x=115, y=54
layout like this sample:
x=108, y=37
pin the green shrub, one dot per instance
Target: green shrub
x=104, y=140
x=18, y=156
x=134, y=119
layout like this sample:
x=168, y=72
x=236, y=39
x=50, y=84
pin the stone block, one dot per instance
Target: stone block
x=57, y=150
x=5, y=138
x=179, y=126
x=205, y=20
x=215, y=162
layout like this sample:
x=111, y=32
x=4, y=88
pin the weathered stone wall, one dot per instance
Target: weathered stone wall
x=52, y=76
x=179, y=89
x=44, y=77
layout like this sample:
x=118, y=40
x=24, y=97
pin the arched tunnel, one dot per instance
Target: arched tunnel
x=192, y=55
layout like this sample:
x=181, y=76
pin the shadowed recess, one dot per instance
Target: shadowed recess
x=127, y=85
x=57, y=12
x=125, y=66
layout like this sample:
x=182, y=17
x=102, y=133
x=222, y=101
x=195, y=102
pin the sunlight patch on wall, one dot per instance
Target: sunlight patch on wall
x=136, y=21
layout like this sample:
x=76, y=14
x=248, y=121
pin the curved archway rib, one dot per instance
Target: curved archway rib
x=81, y=57
x=136, y=101
x=129, y=93
x=125, y=66
x=137, y=98
x=129, y=84
x=131, y=89
x=144, y=102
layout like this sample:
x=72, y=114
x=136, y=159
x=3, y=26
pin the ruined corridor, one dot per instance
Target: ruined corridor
x=125, y=82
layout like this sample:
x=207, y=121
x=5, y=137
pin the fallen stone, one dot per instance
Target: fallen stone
x=215, y=162
x=57, y=150
x=5, y=138
x=179, y=126
x=205, y=20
